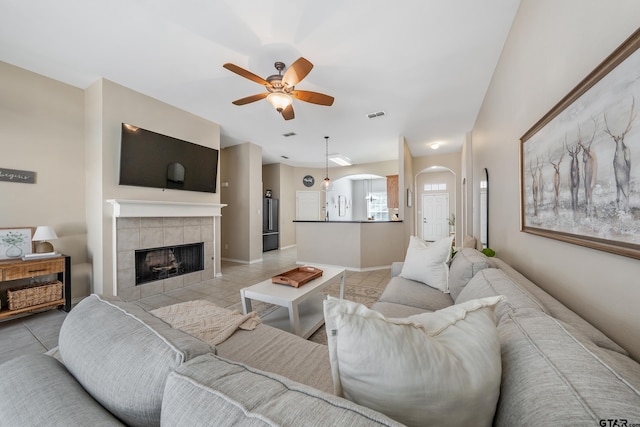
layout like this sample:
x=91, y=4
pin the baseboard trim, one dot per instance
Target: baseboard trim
x=242, y=261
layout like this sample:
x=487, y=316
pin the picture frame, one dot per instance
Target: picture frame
x=580, y=163
x=15, y=242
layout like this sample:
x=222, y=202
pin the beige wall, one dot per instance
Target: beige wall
x=287, y=207
x=241, y=169
x=278, y=177
x=107, y=106
x=464, y=223
x=406, y=183
x=357, y=246
x=552, y=46
x=42, y=130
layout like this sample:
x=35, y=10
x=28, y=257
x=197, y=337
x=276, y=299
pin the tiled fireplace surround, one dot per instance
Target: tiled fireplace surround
x=144, y=233
x=148, y=231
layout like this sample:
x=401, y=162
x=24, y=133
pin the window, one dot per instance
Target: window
x=377, y=206
x=435, y=187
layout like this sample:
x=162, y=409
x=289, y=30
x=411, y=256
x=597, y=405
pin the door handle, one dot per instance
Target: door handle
x=424, y=220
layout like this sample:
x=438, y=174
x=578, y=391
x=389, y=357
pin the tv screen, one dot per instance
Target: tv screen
x=149, y=159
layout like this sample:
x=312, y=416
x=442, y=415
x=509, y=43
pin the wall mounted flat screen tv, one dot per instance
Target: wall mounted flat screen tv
x=149, y=159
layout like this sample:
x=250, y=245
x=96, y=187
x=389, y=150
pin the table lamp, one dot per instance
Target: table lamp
x=42, y=234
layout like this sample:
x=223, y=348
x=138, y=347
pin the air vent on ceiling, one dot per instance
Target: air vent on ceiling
x=286, y=135
x=376, y=114
x=284, y=157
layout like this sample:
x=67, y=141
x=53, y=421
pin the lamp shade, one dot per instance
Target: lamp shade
x=44, y=232
x=279, y=100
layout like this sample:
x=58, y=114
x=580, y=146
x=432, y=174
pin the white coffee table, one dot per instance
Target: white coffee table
x=300, y=310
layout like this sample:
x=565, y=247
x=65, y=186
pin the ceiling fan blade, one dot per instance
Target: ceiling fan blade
x=287, y=113
x=252, y=98
x=246, y=74
x=313, y=97
x=296, y=72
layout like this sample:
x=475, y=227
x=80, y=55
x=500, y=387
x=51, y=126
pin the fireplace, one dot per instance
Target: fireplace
x=147, y=224
x=169, y=261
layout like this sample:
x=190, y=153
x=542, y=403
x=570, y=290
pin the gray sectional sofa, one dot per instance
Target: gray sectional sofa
x=118, y=364
x=557, y=369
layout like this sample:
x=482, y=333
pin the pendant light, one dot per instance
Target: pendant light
x=326, y=183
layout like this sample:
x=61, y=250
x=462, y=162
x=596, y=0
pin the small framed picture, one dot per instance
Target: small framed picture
x=15, y=242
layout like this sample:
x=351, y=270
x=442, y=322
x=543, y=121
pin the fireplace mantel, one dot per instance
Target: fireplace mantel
x=208, y=224
x=151, y=208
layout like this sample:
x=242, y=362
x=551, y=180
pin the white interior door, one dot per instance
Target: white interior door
x=435, y=216
x=307, y=205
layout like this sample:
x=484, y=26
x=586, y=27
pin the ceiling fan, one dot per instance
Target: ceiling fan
x=281, y=88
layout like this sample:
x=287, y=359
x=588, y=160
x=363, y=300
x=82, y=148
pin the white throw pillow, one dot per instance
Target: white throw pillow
x=428, y=263
x=440, y=368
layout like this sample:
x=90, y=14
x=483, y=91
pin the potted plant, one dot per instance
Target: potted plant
x=452, y=223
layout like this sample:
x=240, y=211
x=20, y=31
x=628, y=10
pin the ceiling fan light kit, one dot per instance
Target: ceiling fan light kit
x=279, y=100
x=281, y=88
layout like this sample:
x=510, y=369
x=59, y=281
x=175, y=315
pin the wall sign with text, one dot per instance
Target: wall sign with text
x=12, y=175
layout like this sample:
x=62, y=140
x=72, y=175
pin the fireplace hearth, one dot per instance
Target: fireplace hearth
x=170, y=261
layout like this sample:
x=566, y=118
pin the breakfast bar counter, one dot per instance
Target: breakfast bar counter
x=354, y=245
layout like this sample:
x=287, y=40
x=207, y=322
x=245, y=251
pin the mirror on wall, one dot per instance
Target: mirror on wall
x=484, y=208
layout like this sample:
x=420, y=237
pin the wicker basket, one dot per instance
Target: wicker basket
x=28, y=296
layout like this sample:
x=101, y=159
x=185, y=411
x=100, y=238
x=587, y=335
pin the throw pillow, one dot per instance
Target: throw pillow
x=440, y=368
x=428, y=263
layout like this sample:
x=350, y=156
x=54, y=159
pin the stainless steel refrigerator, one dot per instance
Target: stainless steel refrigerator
x=270, y=233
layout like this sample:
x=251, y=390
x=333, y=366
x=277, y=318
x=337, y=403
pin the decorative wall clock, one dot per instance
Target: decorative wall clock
x=308, y=181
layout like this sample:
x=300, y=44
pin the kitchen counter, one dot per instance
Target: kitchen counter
x=354, y=245
x=350, y=222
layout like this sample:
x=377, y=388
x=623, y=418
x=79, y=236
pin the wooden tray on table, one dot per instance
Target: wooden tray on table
x=298, y=276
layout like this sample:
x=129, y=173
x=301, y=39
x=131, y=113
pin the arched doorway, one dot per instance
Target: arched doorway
x=435, y=207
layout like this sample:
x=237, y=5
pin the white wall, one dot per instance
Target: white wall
x=552, y=46
x=380, y=168
x=342, y=187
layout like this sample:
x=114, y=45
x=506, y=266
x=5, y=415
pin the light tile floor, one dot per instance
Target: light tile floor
x=39, y=332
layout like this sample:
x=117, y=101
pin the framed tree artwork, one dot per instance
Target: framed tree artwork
x=580, y=163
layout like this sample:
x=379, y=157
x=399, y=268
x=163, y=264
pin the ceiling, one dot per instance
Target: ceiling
x=426, y=63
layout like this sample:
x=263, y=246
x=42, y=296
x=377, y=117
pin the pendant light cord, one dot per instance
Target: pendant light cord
x=326, y=156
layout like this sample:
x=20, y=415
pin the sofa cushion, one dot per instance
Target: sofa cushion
x=440, y=368
x=392, y=309
x=270, y=349
x=414, y=294
x=551, y=378
x=556, y=309
x=122, y=356
x=36, y=389
x=428, y=263
x=491, y=281
x=211, y=391
x=464, y=265
x=469, y=242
